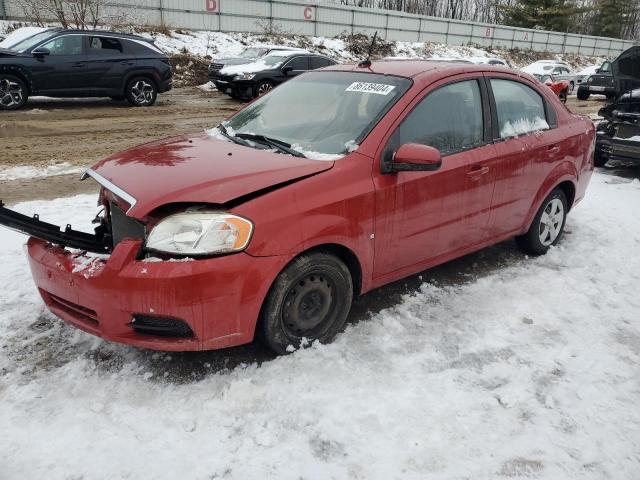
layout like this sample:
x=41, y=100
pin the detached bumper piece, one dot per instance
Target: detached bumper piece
x=34, y=227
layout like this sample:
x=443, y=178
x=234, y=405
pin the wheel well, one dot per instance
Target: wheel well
x=348, y=257
x=570, y=192
x=18, y=73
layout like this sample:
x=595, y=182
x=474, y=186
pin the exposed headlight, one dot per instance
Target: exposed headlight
x=200, y=233
x=589, y=80
x=245, y=76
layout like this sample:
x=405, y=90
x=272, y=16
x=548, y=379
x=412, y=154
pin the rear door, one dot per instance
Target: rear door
x=107, y=63
x=298, y=65
x=64, y=69
x=526, y=143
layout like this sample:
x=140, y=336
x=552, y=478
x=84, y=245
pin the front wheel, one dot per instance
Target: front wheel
x=13, y=92
x=547, y=226
x=309, y=301
x=583, y=94
x=263, y=87
x=141, y=92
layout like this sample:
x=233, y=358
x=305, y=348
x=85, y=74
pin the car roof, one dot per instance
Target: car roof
x=103, y=32
x=413, y=68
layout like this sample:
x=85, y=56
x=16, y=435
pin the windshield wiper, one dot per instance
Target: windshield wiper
x=233, y=138
x=272, y=142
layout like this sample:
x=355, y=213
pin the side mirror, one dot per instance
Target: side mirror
x=40, y=52
x=287, y=69
x=413, y=157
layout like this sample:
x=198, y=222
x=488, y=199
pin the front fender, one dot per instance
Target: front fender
x=23, y=73
x=564, y=172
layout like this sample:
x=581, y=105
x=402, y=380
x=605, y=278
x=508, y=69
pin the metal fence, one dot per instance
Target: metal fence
x=320, y=19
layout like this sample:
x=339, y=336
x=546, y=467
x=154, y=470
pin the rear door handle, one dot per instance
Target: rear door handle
x=478, y=170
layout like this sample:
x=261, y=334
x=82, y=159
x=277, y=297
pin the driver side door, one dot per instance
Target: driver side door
x=424, y=218
x=63, y=70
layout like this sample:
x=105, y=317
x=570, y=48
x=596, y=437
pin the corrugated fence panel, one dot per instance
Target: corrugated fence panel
x=318, y=18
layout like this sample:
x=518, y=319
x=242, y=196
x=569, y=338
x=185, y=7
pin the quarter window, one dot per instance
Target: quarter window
x=520, y=108
x=67, y=45
x=449, y=119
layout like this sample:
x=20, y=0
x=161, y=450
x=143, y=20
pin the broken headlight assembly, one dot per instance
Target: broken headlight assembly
x=200, y=233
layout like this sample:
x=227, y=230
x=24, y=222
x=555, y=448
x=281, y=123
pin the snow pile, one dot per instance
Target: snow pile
x=529, y=368
x=28, y=171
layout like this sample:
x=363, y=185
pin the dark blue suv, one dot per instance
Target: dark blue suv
x=81, y=63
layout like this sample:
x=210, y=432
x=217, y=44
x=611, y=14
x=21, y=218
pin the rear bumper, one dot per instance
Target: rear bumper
x=165, y=86
x=218, y=298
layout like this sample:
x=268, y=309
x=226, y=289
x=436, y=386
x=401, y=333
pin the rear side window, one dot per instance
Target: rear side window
x=104, y=45
x=319, y=62
x=520, y=108
x=298, y=63
x=67, y=45
x=449, y=119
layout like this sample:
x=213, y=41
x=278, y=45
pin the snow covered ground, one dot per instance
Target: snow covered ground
x=28, y=171
x=530, y=370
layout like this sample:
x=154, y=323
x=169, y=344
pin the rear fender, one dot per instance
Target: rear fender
x=566, y=171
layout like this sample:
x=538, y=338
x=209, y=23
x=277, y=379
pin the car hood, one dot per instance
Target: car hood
x=8, y=53
x=197, y=169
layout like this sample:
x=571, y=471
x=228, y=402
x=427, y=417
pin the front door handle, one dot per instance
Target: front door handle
x=477, y=171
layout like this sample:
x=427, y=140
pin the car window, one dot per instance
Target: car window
x=520, y=108
x=298, y=63
x=319, y=62
x=104, y=45
x=67, y=45
x=449, y=119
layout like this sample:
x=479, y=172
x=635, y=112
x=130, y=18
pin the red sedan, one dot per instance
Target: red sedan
x=335, y=183
x=560, y=87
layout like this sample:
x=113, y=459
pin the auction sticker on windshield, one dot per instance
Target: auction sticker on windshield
x=364, y=87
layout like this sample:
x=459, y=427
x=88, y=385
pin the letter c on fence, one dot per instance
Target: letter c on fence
x=211, y=5
x=308, y=13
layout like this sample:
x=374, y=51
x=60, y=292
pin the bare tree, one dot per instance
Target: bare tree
x=80, y=14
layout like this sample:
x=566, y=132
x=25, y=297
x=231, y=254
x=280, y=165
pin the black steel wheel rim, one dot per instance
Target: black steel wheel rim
x=308, y=304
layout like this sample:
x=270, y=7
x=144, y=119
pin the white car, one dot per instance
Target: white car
x=559, y=69
x=587, y=72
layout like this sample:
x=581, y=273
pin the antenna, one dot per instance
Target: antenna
x=367, y=62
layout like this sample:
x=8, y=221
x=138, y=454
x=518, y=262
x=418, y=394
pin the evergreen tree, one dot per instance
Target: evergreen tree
x=613, y=16
x=543, y=14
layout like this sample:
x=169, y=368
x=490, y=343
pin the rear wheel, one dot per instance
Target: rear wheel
x=309, y=301
x=13, y=92
x=141, y=92
x=547, y=226
x=563, y=96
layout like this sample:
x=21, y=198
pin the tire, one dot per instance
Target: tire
x=265, y=86
x=13, y=92
x=563, y=96
x=141, y=92
x=308, y=301
x=599, y=160
x=545, y=232
x=583, y=94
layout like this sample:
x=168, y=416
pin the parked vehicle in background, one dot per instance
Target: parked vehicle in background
x=18, y=35
x=255, y=79
x=81, y=63
x=583, y=74
x=559, y=69
x=560, y=87
x=337, y=182
x=492, y=61
x=600, y=83
x=618, y=135
x=626, y=71
x=248, y=55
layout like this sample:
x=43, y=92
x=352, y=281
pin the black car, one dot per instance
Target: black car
x=255, y=79
x=618, y=135
x=81, y=63
x=600, y=83
x=248, y=55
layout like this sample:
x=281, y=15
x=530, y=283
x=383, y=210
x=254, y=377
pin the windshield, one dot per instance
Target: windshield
x=252, y=53
x=27, y=43
x=604, y=68
x=323, y=115
x=275, y=58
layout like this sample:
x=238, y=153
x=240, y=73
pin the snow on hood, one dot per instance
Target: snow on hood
x=590, y=70
x=20, y=34
x=539, y=68
x=260, y=65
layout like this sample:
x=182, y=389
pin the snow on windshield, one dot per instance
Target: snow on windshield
x=19, y=35
x=522, y=126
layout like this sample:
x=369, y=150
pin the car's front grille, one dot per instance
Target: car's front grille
x=84, y=314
